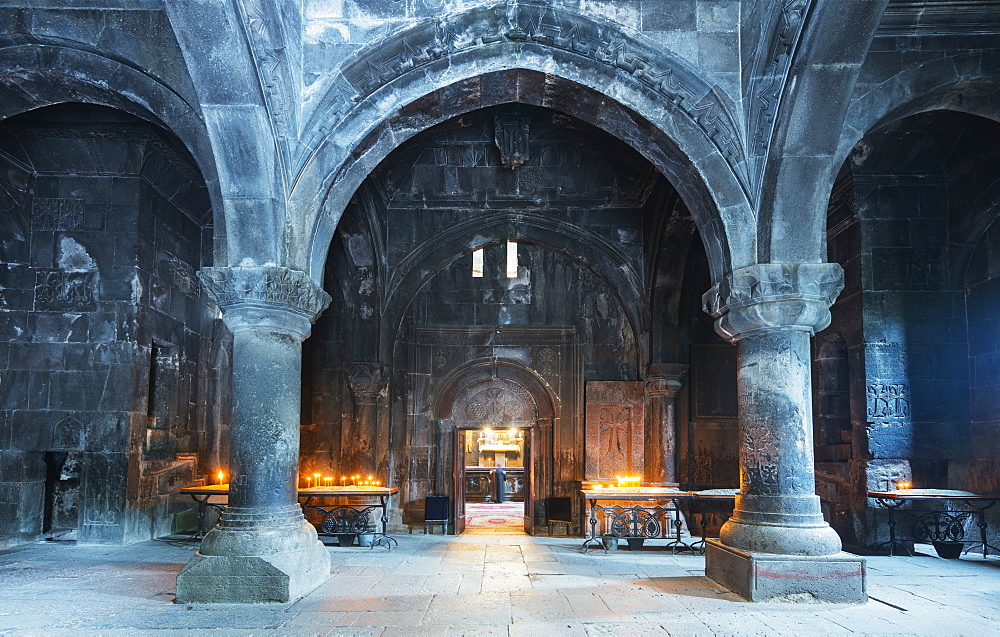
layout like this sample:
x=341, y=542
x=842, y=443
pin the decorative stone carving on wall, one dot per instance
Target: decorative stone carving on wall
x=511, y=131
x=888, y=400
x=61, y=290
x=496, y=402
x=68, y=434
x=364, y=379
x=615, y=428
x=102, y=499
x=180, y=275
x=547, y=362
x=272, y=285
x=56, y=214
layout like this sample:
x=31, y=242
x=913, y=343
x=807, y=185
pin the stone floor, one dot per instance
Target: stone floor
x=480, y=585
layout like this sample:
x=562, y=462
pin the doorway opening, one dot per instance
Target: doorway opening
x=495, y=478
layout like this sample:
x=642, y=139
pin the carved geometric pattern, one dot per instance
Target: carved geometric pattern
x=496, y=402
x=59, y=290
x=888, y=400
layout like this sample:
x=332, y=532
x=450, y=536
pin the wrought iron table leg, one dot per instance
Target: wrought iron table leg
x=983, y=538
x=593, y=529
x=677, y=543
x=203, y=504
x=383, y=536
x=891, y=506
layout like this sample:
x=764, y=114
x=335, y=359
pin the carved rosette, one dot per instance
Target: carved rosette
x=269, y=287
x=774, y=296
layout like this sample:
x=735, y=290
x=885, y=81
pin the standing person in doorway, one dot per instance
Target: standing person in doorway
x=499, y=485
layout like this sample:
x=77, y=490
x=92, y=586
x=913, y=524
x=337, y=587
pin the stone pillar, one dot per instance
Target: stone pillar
x=263, y=549
x=359, y=441
x=663, y=382
x=777, y=544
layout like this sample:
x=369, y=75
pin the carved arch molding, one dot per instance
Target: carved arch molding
x=537, y=25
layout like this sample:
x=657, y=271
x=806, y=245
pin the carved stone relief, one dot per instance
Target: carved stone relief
x=511, y=131
x=68, y=434
x=60, y=290
x=496, y=402
x=180, y=275
x=760, y=455
x=888, y=400
x=56, y=214
x=615, y=426
x=547, y=362
x=275, y=286
x=102, y=498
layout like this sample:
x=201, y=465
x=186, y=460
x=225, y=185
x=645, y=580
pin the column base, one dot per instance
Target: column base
x=253, y=579
x=840, y=578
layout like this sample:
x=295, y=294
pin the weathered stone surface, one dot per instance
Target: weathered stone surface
x=252, y=579
x=839, y=578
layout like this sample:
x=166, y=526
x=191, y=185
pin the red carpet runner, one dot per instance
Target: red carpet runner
x=499, y=517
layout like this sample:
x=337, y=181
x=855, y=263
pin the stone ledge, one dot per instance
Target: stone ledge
x=840, y=578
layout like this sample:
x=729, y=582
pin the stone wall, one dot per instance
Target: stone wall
x=104, y=367
x=896, y=397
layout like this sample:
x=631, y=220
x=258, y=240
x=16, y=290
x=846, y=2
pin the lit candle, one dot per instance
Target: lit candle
x=327, y=481
x=221, y=477
x=309, y=482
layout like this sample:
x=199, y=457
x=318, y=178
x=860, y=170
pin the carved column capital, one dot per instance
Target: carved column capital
x=261, y=295
x=665, y=379
x=774, y=296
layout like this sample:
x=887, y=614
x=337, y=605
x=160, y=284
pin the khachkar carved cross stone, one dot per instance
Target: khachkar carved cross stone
x=770, y=311
x=263, y=549
x=614, y=429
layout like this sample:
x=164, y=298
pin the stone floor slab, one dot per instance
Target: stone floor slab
x=62, y=589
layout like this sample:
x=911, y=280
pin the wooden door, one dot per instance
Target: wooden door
x=529, y=487
x=458, y=481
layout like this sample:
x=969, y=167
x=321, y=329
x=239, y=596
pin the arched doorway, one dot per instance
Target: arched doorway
x=497, y=416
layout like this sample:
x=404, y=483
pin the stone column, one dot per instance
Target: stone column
x=263, y=549
x=663, y=382
x=777, y=544
x=359, y=441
